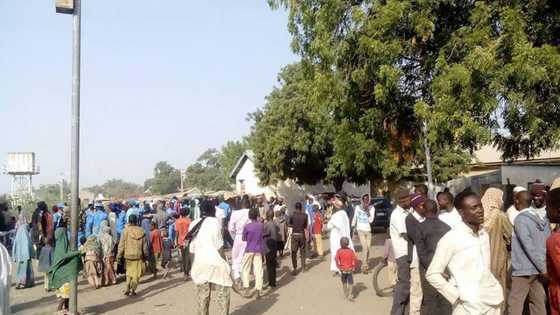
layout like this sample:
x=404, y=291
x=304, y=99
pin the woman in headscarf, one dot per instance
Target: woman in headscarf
x=22, y=252
x=47, y=225
x=112, y=218
x=21, y=218
x=66, y=266
x=499, y=231
x=92, y=261
x=107, y=246
x=5, y=280
x=339, y=225
x=37, y=225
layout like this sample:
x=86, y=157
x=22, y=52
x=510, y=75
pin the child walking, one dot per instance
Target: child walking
x=346, y=261
x=317, y=231
x=45, y=261
x=107, y=249
x=92, y=261
x=156, y=242
x=166, y=250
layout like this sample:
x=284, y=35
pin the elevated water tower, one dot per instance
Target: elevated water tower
x=21, y=167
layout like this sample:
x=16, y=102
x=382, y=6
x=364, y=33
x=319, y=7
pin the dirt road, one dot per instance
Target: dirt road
x=315, y=292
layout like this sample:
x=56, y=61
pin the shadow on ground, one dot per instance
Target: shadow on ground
x=145, y=292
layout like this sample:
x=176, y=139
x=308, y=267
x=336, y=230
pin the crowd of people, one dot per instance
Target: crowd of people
x=460, y=254
x=466, y=254
x=134, y=238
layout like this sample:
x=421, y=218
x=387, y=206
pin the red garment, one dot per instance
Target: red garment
x=156, y=241
x=47, y=225
x=553, y=269
x=346, y=259
x=182, y=228
x=317, y=223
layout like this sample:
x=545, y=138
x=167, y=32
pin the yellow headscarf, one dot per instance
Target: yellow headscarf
x=492, y=201
x=555, y=183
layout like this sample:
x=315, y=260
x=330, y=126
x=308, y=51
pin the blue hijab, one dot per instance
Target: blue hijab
x=23, y=247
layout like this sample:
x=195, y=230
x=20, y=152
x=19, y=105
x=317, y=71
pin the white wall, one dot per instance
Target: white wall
x=248, y=176
x=288, y=189
x=524, y=174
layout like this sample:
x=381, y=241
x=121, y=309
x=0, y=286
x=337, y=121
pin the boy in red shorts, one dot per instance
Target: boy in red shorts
x=346, y=261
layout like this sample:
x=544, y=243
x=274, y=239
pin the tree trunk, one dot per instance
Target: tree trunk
x=338, y=183
x=376, y=185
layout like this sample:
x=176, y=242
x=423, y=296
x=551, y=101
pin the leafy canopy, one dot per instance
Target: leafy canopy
x=166, y=180
x=475, y=72
x=116, y=188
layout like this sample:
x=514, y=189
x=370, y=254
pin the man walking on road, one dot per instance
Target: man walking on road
x=397, y=230
x=363, y=217
x=298, y=223
x=210, y=270
x=134, y=248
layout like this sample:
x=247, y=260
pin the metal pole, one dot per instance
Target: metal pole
x=183, y=173
x=61, y=187
x=75, y=163
x=428, y=160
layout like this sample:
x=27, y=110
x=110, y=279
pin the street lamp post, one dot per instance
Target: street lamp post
x=428, y=153
x=75, y=171
x=74, y=8
x=62, y=187
x=183, y=175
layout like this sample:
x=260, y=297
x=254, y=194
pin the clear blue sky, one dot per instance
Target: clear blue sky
x=161, y=80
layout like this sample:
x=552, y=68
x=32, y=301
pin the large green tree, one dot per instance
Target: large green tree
x=472, y=71
x=116, y=188
x=166, y=180
x=207, y=173
x=50, y=193
x=292, y=135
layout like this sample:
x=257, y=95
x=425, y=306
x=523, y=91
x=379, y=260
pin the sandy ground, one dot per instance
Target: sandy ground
x=314, y=292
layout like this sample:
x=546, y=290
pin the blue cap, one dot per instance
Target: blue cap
x=60, y=205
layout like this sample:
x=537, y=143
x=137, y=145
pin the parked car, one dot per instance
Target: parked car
x=383, y=210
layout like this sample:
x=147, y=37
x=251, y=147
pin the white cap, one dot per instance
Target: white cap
x=518, y=189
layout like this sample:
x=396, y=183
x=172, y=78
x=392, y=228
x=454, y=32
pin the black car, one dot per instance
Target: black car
x=383, y=209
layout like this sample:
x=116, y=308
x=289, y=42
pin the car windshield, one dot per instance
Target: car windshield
x=381, y=203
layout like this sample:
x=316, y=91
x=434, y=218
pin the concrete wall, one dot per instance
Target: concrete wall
x=524, y=174
x=476, y=182
x=250, y=181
